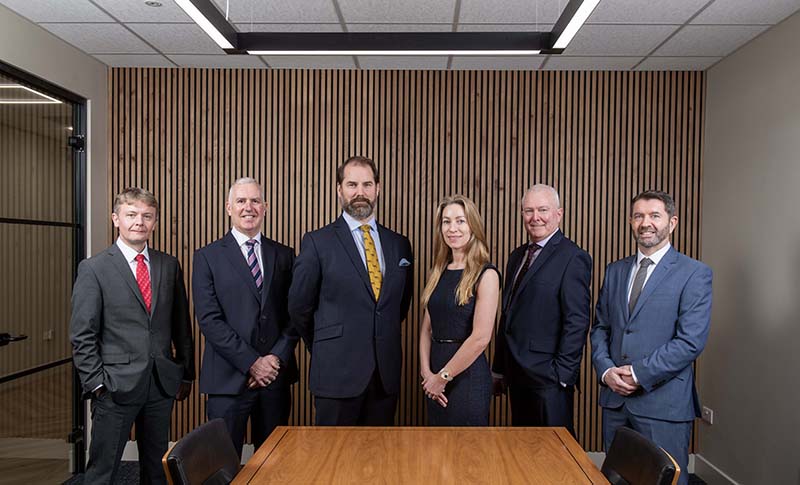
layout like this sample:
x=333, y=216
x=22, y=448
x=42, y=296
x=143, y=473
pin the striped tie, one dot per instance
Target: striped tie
x=373, y=266
x=252, y=262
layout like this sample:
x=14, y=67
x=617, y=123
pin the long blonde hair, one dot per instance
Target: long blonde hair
x=477, y=252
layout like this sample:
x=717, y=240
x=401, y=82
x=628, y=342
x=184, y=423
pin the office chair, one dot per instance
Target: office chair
x=205, y=456
x=635, y=460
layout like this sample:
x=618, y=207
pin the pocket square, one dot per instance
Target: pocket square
x=404, y=262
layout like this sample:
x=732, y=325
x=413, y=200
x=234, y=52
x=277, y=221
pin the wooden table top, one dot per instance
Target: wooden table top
x=424, y=455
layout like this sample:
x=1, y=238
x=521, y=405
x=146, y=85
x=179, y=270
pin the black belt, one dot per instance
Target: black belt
x=448, y=341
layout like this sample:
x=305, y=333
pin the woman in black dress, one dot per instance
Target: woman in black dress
x=460, y=301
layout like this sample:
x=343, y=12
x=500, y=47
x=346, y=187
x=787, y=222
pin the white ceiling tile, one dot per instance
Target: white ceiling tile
x=283, y=27
x=310, y=62
x=399, y=27
x=709, y=40
x=56, y=11
x=618, y=40
x=505, y=27
x=567, y=63
x=645, y=11
x=100, y=38
x=223, y=61
x=137, y=11
x=677, y=63
x=747, y=12
x=501, y=63
x=403, y=62
x=406, y=11
x=510, y=11
x=289, y=11
x=134, y=60
x=177, y=38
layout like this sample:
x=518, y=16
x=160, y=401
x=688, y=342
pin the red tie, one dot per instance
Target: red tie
x=143, y=280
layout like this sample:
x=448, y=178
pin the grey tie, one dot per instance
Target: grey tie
x=638, y=283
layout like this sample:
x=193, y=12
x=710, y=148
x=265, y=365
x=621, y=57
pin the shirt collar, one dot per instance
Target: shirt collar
x=242, y=238
x=130, y=253
x=655, y=257
x=354, y=224
x=544, y=241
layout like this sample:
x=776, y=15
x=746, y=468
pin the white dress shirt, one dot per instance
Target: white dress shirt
x=358, y=237
x=241, y=240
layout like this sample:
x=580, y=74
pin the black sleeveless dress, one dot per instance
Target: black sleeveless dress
x=470, y=393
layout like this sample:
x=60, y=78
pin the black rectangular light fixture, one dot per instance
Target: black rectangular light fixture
x=211, y=20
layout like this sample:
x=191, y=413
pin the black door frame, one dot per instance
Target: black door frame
x=79, y=141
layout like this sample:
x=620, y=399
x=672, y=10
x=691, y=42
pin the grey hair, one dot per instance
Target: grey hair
x=245, y=181
x=543, y=188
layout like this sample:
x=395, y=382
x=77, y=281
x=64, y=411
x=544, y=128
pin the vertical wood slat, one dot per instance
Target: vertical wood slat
x=598, y=137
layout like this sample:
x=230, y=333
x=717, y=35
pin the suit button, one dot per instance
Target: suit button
x=262, y=340
x=153, y=355
x=625, y=357
x=628, y=332
x=263, y=319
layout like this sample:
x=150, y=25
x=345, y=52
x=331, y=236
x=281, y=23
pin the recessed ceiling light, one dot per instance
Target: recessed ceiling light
x=152, y=3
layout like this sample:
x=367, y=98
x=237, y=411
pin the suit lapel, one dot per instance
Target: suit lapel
x=155, y=277
x=119, y=262
x=548, y=250
x=234, y=254
x=390, y=259
x=513, y=266
x=349, y=245
x=622, y=281
x=662, y=270
x=268, y=256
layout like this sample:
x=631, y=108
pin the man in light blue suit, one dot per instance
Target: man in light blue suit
x=651, y=323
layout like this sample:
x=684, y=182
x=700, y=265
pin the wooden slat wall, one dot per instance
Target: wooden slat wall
x=598, y=137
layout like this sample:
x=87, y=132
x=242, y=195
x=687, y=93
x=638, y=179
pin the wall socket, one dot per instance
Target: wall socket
x=708, y=415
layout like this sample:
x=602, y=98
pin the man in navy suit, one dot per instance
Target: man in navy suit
x=240, y=287
x=546, y=307
x=652, y=321
x=350, y=293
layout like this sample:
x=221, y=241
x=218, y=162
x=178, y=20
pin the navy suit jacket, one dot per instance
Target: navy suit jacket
x=544, y=327
x=333, y=308
x=239, y=323
x=661, y=338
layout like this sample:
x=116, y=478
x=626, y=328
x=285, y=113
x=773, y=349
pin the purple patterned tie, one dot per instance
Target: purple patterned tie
x=252, y=261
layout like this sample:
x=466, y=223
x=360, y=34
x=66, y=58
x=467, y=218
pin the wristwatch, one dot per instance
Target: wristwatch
x=445, y=374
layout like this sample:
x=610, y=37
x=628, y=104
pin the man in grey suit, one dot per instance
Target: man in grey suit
x=129, y=308
x=652, y=322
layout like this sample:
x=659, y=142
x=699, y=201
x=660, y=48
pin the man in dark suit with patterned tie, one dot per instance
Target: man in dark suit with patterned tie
x=350, y=293
x=129, y=309
x=545, y=317
x=240, y=285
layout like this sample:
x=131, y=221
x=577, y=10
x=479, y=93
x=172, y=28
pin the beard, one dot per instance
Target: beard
x=659, y=236
x=359, y=207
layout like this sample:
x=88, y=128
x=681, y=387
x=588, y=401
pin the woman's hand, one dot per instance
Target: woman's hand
x=434, y=385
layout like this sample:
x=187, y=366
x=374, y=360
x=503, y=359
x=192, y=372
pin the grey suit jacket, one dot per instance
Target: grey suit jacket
x=115, y=341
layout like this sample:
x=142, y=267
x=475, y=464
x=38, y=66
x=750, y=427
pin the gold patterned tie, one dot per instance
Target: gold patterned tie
x=373, y=266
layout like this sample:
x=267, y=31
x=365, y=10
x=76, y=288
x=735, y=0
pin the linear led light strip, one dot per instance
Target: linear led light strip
x=397, y=53
x=575, y=23
x=204, y=23
x=49, y=100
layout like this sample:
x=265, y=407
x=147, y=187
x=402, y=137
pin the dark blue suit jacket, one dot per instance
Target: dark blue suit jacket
x=543, y=329
x=333, y=308
x=239, y=323
x=661, y=338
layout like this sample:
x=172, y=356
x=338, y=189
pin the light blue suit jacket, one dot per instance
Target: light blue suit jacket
x=664, y=334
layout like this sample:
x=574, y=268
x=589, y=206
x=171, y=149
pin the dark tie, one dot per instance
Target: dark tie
x=143, y=280
x=252, y=262
x=533, y=250
x=638, y=283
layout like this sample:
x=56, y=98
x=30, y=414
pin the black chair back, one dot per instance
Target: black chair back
x=635, y=460
x=205, y=456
